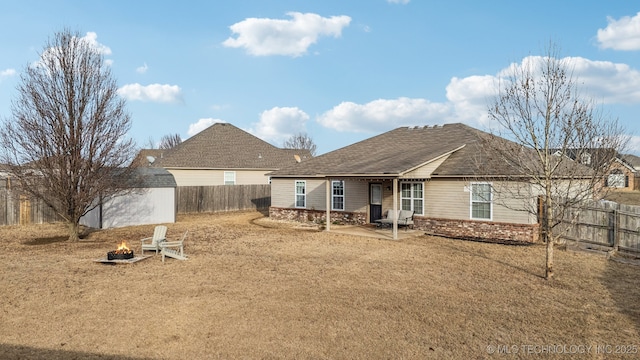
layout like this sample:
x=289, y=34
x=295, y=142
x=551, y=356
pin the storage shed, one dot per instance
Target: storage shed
x=153, y=201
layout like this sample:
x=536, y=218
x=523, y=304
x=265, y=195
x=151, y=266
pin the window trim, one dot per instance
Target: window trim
x=334, y=196
x=296, y=194
x=412, y=198
x=224, y=179
x=490, y=201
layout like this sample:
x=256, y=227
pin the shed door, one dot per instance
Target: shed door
x=375, y=202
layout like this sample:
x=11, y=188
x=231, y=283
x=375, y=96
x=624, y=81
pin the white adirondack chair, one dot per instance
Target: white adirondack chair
x=152, y=243
x=174, y=249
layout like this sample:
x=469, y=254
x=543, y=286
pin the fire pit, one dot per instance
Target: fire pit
x=121, y=253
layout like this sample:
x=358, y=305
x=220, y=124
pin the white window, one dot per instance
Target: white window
x=301, y=194
x=411, y=197
x=337, y=195
x=481, y=201
x=229, y=177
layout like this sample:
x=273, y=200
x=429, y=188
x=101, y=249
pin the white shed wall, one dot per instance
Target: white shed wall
x=148, y=206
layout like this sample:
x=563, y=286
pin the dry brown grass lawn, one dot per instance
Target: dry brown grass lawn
x=254, y=288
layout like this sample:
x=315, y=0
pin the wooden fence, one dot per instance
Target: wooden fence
x=197, y=199
x=17, y=208
x=605, y=225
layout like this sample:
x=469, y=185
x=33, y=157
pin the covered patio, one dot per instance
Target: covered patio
x=383, y=233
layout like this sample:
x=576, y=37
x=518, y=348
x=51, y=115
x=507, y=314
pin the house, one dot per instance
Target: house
x=432, y=171
x=630, y=167
x=621, y=171
x=223, y=154
x=153, y=201
x=622, y=175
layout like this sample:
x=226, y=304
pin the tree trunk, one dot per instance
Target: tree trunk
x=74, y=230
x=549, y=238
x=549, y=267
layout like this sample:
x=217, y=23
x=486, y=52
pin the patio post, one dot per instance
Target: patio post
x=395, y=208
x=328, y=205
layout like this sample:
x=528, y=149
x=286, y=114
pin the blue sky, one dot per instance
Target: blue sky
x=341, y=71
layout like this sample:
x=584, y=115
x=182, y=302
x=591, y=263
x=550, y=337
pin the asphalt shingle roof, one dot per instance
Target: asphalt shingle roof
x=224, y=146
x=403, y=149
x=393, y=152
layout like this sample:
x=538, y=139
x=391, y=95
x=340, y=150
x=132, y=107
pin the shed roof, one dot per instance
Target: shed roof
x=150, y=177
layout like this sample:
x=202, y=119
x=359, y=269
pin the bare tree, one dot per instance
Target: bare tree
x=169, y=141
x=301, y=141
x=66, y=142
x=555, y=132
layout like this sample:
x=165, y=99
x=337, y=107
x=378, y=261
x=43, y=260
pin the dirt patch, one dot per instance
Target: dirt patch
x=46, y=241
x=256, y=288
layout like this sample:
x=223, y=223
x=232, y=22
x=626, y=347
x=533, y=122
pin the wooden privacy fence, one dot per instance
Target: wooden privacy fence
x=18, y=208
x=196, y=199
x=603, y=224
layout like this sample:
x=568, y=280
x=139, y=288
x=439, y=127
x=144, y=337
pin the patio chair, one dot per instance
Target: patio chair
x=405, y=218
x=388, y=220
x=174, y=249
x=152, y=243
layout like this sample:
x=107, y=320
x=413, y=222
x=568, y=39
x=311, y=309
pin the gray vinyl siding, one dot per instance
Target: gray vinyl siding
x=451, y=199
x=443, y=198
x=283, y=194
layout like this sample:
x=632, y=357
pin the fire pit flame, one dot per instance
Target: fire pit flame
x=123, y=248
x=121, y=253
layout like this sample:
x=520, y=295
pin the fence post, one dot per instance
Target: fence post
x=616, y=228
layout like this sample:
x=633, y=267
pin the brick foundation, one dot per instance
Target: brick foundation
x=478, y=230
x=317, y=216
x=462, y=229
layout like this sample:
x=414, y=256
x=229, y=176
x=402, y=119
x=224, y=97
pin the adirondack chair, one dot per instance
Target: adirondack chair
x=152, y=243
x=174, y=249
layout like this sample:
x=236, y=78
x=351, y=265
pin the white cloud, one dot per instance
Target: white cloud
x=279, y=123
x=633, y=146
x=142, y=69
x=398, y=1
x=383, y=114
x=7, y=73
x=623, y=34
x=161, y=93
x=600, y=80
x=468, y=98
x=92, y=39
x=201, y=125
x=263, y=36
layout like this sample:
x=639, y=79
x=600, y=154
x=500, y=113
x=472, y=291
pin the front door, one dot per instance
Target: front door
x=375, y=202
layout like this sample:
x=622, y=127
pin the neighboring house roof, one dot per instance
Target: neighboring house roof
x=224, y=146
x=399, y=151
x=632, y=160
x=144, y=155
